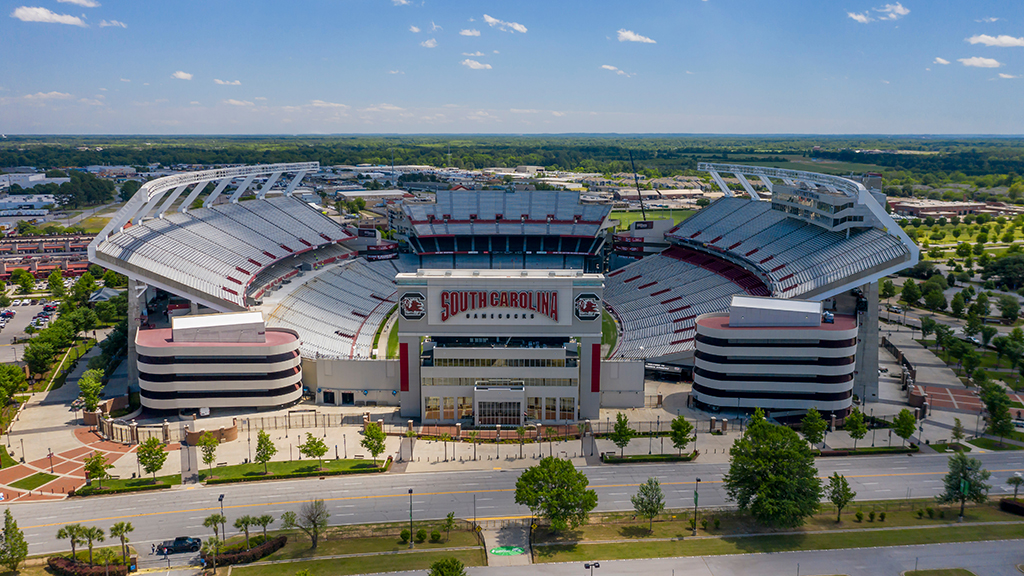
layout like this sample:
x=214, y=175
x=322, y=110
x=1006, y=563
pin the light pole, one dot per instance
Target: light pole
x=872, y=423
x=696, y=488
x=410, y=516
x=248, y=427
x=50, y=454
x=590, y=566
x=660, y=435
x=223, y=530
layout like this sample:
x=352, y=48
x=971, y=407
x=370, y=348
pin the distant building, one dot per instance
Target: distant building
x=29, y=180
x=922, y=208
x=26, y=201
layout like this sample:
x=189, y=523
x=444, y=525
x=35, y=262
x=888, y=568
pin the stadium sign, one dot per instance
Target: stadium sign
x=587, y=306
x=413, y=306
x=543, y=302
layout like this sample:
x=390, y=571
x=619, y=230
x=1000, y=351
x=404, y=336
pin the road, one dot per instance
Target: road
x=161, y=515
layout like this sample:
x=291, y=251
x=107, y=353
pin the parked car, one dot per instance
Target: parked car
x=16, y=303
x=179, y=544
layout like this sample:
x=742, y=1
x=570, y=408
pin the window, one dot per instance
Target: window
x=550, y=412
x=533, y=408
x=504, y=413
x=433, y=410
x=465, y=407
x=566, y=408
x=449, y=408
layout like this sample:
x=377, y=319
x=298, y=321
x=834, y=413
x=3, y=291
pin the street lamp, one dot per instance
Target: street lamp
x=50, y=455
x=223, y=530
x=696, y=487
x=410, y=517
x=590, y=566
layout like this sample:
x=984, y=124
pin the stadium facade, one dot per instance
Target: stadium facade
x=820, y=238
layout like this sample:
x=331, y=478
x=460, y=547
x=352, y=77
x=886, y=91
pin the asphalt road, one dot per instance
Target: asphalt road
x=162, y=515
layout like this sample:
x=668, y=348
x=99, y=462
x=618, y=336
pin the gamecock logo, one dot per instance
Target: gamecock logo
x=588, y=307
x=413, y=306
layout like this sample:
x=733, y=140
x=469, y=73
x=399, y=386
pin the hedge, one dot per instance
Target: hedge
x=87, y=491
x=871, y=451
x=68, y=567
x=1012, y=506
x=250, y=555
x=608, y=459
x=382, y=469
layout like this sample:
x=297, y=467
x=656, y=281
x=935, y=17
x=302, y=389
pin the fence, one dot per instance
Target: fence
x=896, y=352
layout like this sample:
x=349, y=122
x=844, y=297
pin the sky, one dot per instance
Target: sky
x=500, y=67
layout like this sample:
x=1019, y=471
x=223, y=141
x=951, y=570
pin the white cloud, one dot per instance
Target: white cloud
x=323, y=104
x=504, y=26
x=477, y=53
x=125, y=80
x=885, y=81
x=181, y=75
x=469, y=32
x=1007, y=76
x=383, y=108
x=1002, y=41
x=630, y=36
x=978, y=62
x=233, y=102
x=227, y=82
x=48, y=96
x=988, y=20
x=862, y=18
x=892, y=11
x=36, y=14
x=414, y=29
x=114, y=23
x=473, y=64
x=395, y=72
x=557, y=113
x=194, y=103
x=942, y=61
x=401, y=2
x=432, y=43
x=82, y=3
x=90, y=102
x=260, y=98
x=616, y=70
x=524, y=110
x=434, y=27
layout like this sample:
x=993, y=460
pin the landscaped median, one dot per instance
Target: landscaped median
x=871, y=451
x=610, y=458
x=120, y=486
x=291, y=469
x=618, y=536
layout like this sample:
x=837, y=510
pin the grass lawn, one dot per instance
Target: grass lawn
x=34, y=481
x=609, y=333
x=951, y=447
x=775, y=543
x=6, y=461
x=368, y=564
x=128, y=484
x=93, y=224
x=61, y=362
x=393, y=342
x=940, y=572
x=363, y=539
x=308, y=467
x=626, y=218
x=989, y=444
x=376, y=337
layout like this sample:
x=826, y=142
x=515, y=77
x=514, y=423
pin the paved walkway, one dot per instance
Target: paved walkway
x=931, y=370
x=512, y=534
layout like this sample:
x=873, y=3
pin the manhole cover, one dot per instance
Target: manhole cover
x=507, y=551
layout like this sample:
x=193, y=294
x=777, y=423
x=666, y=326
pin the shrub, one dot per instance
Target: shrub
x=68, y=567
x=920, y=513
x=405, y=535
x=871, y=516
x=251, y=555
x=718, y=523
x=942, y=513
x=421, y=535
x=859, y=516
x=881, y=516
x=704, y=523
x=693, y=523
x=435, y=536
x=1012, y=506
x=930, y=511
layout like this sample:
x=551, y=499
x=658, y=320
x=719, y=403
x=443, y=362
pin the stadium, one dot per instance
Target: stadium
x=820, y=238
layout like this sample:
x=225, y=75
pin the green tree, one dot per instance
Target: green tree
x=208, y=445
x=445, y=439
x=839, y=493
x=128, y=189
x=680, y=434
x=521, y=433
x=96, y=467
x=813, y=427
x=621, y=432
x=904, y=425
x=1009, y=308
x=887, y=289
x=987, y=333
x=92, y=534
x=211, y=547
x=242, y=524
x=957, y=305
x=910, y=293
x=91, y=385
x=23, y=279
x=151, y=455
x=1015, y=481
x=411, y=435
x=315, y=447
x=83, y=288
x=121, y=530
x=311, y=519
x=649, y=501
x=927, y=327
x=447, y=566
x=473, y=437
x=38, y=355
x=957, y=433
x=373, y=440
x=555, y=490
x=263, y=521
x=964, y=481
x=214, y=522
x=971, y=360
x=855, y=426
x=448, y=524
x=13, y=548
x=935, y=300
x=772, y=474
x=55, y=282
x=265, y=449
x=72, y=533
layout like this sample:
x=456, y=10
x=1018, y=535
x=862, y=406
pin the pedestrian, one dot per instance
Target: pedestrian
x=154, y=548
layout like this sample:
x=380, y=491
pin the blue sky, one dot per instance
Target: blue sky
x=430, y=66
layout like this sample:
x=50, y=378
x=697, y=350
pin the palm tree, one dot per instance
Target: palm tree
x=92, y=534
x=411, y=435
x=210, y=548
x=521, y=432
x=473, y=436
x=242, y=524
x=121, y=530
x=263, y=521
x=445, y=439
x=581, y=429
x=213, y=521
x=72, y=532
